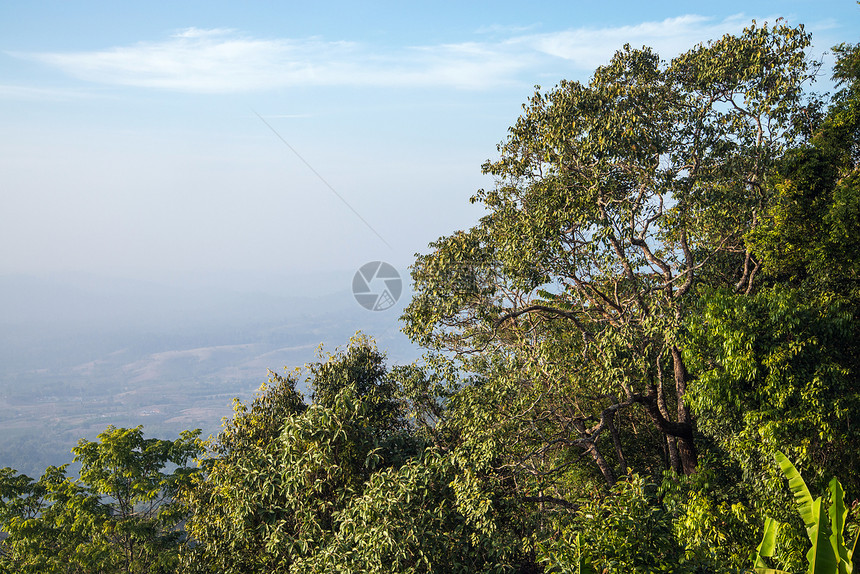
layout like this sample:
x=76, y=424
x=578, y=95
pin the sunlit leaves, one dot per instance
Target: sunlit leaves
x=777, y=371
x=122, y=515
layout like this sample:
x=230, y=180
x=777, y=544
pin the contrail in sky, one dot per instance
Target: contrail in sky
x=322, y=179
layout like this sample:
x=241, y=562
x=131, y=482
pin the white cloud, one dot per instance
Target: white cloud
x=204, y=61
x=287, y=116
x=223, y=60
x=29, y=93
x=589, y=48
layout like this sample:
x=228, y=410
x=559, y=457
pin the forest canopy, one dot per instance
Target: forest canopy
x=644, y=357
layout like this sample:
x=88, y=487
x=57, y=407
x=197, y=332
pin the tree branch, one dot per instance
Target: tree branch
x=545, y=309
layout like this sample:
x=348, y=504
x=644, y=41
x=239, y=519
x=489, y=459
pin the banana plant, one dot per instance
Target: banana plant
x=829, y=553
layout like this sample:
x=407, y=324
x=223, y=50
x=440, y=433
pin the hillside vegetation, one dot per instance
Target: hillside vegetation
x=643, y=358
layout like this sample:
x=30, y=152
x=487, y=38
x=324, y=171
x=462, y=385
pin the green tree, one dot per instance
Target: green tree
x=281, y=470
x=811, y=233
x=778, y=369
x=121, y=515
x=341, y=485
x=410, y=519
x=616, y=202
x=362, y=367
x=234, y=504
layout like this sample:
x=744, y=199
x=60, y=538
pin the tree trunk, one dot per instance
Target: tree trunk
x=686, y=444
x=684, y=457
x=591, y=448
x=605, y=468
x=688, y=453
x=672, y=451
x=616, y=441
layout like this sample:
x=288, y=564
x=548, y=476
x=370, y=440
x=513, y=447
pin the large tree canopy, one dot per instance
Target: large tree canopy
x=615, y=201
x=340, y=485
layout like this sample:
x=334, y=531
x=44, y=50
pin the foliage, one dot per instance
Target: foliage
x=338, y=486
x=361, y=366
x=408, y=519
x=828, y=553
x=427, y=390
x=615, y=200
x=628, y=529
x=810, y=234
x=121, y=515
x=566, y=555
x=778, y=371
x=714, y=516
x=238, y=510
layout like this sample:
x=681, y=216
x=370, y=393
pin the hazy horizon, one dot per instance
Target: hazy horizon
x=80, y=354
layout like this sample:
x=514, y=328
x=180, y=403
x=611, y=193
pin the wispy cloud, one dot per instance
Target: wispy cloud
x=224, y=60
x=588, y=48
x=30, y=93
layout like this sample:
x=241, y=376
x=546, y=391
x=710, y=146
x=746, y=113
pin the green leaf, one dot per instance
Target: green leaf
x=822, y=558
x=798, y=487
x=583, y=564
x=767, y=546
x=838, y=512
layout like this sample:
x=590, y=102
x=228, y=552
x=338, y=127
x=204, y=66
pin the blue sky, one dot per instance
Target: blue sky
x=130, y=142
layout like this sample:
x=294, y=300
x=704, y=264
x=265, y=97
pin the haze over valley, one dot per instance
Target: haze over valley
x=79, y=352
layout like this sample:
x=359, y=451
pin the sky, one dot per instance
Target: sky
x=167, y=140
